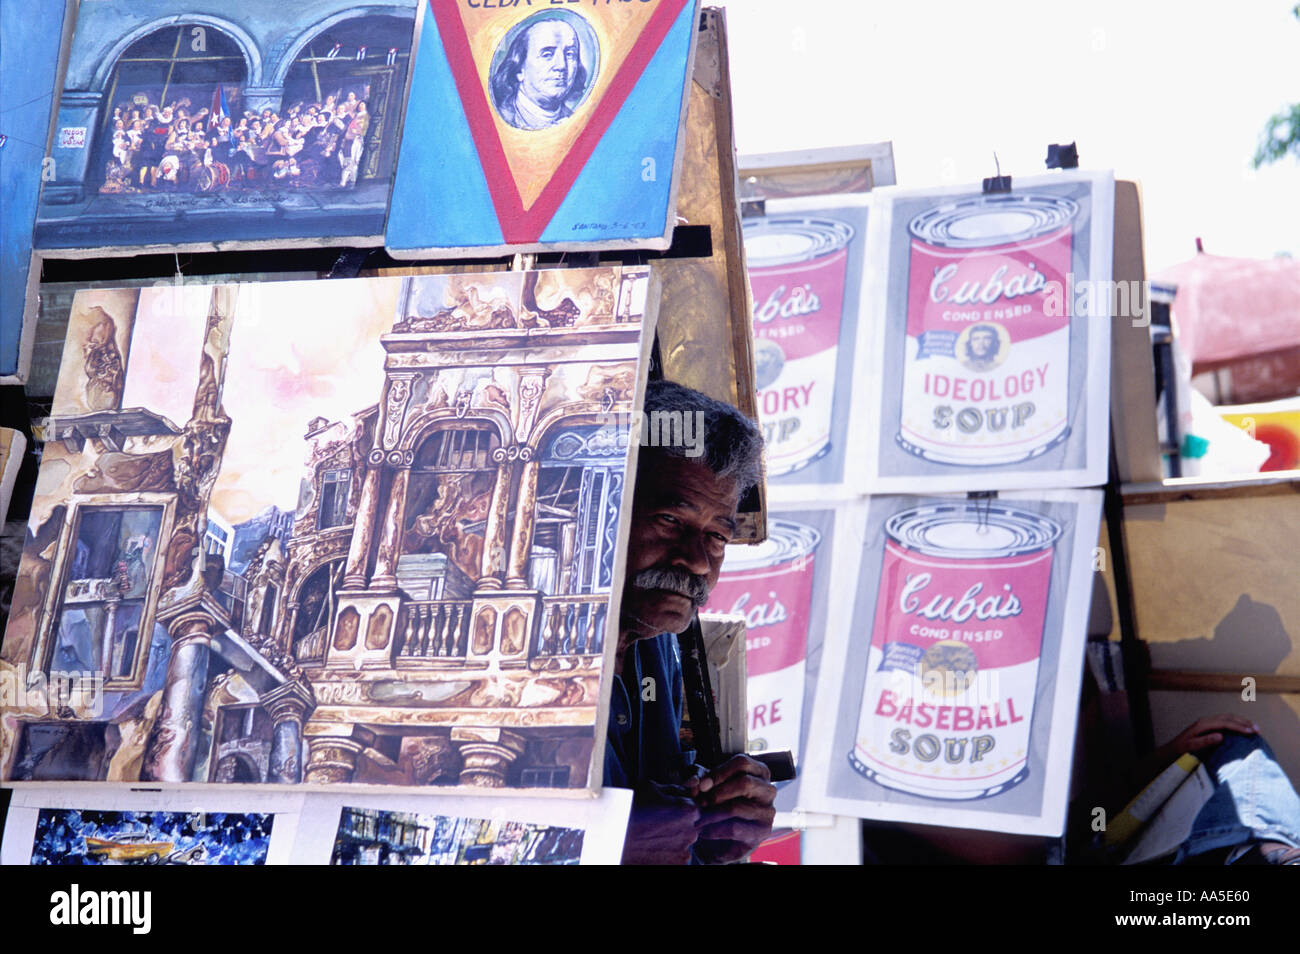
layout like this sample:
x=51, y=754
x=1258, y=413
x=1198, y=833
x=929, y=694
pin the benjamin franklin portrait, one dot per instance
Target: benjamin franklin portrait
x=543, y=69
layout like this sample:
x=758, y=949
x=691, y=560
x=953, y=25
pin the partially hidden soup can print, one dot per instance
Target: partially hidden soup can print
x=952, y=669
x=986, y=375
x=770, y=584
x=797, y=269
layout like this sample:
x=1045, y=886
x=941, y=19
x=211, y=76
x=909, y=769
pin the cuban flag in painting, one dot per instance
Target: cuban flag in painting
x=220, y=105
x=543, y=127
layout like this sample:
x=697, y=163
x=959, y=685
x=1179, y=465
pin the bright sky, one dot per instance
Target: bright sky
x=298, y=350
x=1172, y=94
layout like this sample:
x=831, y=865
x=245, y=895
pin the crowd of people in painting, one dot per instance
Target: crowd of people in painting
x=181, y=148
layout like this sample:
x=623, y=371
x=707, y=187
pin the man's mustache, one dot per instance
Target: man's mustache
x=691, y=585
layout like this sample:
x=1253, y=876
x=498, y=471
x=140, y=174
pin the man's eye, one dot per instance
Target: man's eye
x=668, y=519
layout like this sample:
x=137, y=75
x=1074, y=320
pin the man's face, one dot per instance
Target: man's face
x=983, y=342
x=683, y=516
x=551, y=63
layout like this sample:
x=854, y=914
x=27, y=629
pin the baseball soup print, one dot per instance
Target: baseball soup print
x=948, y=702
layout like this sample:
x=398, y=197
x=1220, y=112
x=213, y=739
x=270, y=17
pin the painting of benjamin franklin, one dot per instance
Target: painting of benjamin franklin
x=543, y=69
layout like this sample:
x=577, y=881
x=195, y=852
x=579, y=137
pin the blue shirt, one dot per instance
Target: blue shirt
x=645, y=717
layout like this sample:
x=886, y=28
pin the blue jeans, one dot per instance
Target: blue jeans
x=1253, y=800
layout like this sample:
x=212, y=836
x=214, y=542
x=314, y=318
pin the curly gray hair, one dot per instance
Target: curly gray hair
x=733, y=444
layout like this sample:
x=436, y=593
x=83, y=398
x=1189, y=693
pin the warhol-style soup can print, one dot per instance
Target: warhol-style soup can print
x=770, y=584
x=797, y=267
x=987, y=357
x=952, y=669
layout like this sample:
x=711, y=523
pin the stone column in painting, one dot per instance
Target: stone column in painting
x=525, y=512
x=333, y=759
x=258, y=98
x=174, y=740
x=288, y=705
x=390, y=532
x=486, y=754
x=493, y=569
x=363, y=529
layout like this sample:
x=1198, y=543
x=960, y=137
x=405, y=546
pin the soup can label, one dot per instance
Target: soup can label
x=771, y=586
x=797, y=268
x=987, y=355
x=952, y=669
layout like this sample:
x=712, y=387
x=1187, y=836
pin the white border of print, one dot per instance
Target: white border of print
x=28, y=801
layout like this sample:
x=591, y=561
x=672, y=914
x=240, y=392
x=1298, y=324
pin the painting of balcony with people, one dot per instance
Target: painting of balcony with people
x=267, y=123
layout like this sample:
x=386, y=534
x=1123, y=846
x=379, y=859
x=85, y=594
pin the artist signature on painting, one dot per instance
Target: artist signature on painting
x=182, y=203
x=616, y=226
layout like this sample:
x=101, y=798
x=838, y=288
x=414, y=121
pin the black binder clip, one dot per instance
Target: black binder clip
x=983, y=500
x=1063, y=156
x=349, y=263
x=999, y=182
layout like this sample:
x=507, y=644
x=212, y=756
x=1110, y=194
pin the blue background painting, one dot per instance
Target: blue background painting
x=210, y=838
x=29, y=47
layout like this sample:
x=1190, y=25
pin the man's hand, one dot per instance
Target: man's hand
x=736, y=810
x=1207, y=732
x=663, y=827
x=1201, y=734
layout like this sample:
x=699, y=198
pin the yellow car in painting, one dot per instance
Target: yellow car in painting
x=130, y=846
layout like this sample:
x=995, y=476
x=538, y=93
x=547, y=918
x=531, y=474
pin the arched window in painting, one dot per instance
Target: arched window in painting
x=170, y=105
x=579, y=489
x=242, y=747
x=316, y=604
x=446, y=512
x=349, y=81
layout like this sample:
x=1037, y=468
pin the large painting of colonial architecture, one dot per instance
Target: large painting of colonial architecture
x=543, y=126
x=185, y=124
x=354, y=531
